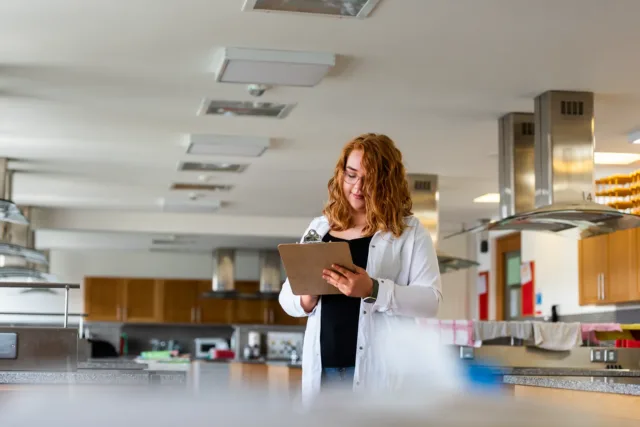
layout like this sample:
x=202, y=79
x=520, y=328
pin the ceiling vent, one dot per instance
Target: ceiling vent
x=179, y=250
x=223, y=145
x=173, y=242
x=245, y=108
x=211, y=167
x=272, y=67
x=182, y=205
x=339, y=8
x=201, y=187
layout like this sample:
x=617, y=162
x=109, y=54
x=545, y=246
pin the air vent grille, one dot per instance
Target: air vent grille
x=173, y=242
x=339, y=8
x=527, y=128
x=211, y=167
x=572, y=108
x=201, y=187
x=246, y=109
x=179, y=205
x=422, y=185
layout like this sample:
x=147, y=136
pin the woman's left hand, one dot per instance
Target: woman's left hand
x=357, y=284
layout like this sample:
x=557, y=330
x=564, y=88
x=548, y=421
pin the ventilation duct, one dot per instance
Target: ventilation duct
x=223, y=284
x=424, y=195
x=563, y=174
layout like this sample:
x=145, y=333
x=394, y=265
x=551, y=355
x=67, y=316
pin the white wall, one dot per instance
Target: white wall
x=556, y=272
x=71, y=266
x=455, y=285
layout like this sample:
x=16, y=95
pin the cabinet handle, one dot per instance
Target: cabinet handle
x=604, y=295
x=272, y=316
x=118, y=313
x=193, y=314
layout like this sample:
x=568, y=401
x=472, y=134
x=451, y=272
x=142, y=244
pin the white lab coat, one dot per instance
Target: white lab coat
x=409, y=287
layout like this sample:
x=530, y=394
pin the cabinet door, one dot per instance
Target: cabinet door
x=212, y=310
x=281, y=318
x=141, y=301
x=103, y=299
x=620, y=281
x=251, y=312
x=179, y=301
x=593, y=260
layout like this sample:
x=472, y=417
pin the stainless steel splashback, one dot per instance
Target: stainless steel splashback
x=39, y=349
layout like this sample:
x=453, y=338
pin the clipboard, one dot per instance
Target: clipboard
x=304, y=263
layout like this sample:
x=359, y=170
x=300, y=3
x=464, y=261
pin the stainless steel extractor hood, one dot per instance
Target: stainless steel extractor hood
x=424, y=195
x=223, y=284
x=19, y=259
x=563, y=173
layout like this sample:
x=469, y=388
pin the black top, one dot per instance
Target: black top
x=340, y=314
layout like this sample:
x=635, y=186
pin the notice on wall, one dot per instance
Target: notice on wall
x=482, y=285
x=527, y=281
x=525, y=272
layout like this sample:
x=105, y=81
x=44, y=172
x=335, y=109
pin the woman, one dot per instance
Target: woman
x=397, y=278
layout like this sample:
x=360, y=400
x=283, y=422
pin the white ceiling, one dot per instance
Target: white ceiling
x=87, y=240
x=96, y=97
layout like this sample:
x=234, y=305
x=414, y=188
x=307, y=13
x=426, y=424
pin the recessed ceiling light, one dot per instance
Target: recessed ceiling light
x=634, y=137
x=272, y=67
x=615, y=158
x=244, y=108
x=225, y=145
x=341, y=8
x=488, y=198
x=211, y=167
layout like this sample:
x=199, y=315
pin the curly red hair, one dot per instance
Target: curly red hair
x=386, y=190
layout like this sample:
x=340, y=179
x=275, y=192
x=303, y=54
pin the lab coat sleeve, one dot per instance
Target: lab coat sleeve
x=422, y=296
x=289, y=302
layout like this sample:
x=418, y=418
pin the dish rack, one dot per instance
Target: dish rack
x=620, y=191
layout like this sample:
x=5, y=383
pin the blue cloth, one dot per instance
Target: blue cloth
x=337, y=377
x=483, y=377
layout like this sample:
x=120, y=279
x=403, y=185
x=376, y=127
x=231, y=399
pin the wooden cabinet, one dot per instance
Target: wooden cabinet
x=212, y=310
x=114, y=299
x=608, y=268
x=182, y=302
x=141, y=303
x=102, y=299
x=178, y=301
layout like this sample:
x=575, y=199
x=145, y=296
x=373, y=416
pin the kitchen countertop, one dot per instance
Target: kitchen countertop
x=602, y=384
x=112, y=364
x=565, y=372
x=94, y=377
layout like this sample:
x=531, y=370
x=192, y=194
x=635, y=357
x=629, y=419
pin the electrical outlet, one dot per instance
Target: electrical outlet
x=611, y=356
x=466, y=353
x=597, y=355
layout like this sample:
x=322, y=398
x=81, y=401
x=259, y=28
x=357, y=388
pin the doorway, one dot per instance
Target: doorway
x=508, y=289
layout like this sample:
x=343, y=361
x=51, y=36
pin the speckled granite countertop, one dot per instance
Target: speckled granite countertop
x=111, y=364
x=617, y=385
x=567, y=372
x=94, y=377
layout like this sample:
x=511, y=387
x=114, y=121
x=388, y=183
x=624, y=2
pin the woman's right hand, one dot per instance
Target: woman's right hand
x=308, y=302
